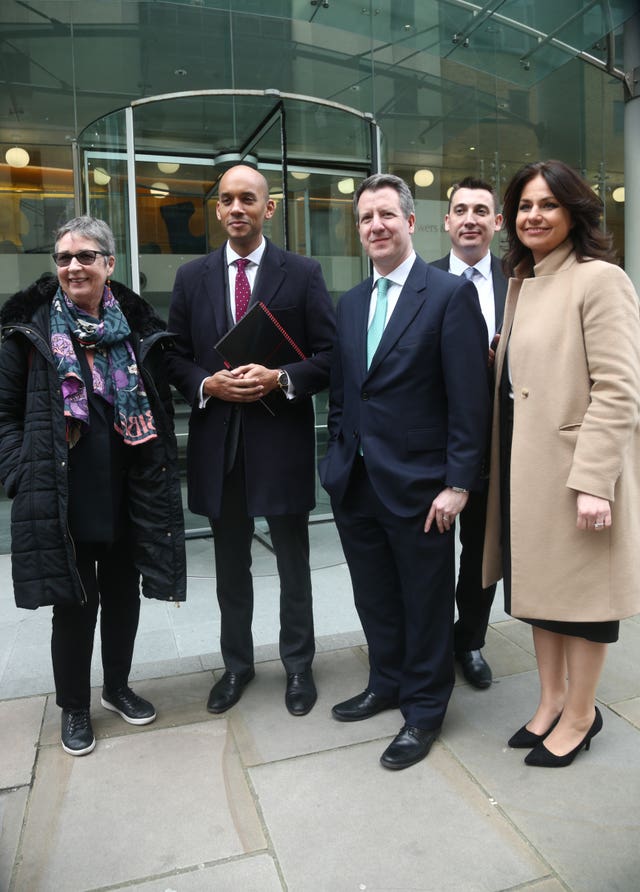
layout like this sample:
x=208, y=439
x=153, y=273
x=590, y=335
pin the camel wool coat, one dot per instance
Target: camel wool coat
x=573, y=338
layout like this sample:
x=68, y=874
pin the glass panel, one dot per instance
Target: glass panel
x=34, y=201
x=105, y=183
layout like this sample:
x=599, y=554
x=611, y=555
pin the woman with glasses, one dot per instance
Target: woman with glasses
x=88, y=455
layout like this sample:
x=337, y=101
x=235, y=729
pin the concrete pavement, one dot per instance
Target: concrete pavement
x=258, y=801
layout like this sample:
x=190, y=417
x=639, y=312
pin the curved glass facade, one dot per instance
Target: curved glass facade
x=131, y=109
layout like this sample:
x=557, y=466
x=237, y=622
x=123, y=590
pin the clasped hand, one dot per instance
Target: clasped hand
x=244, y=384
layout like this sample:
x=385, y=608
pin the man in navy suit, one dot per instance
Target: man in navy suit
x=409, y=405
x=472, y=221
x=243, y=461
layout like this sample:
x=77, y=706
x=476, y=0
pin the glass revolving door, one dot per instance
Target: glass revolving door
x=151, y=171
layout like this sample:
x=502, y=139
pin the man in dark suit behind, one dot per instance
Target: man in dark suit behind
x=242, y=461
x=409, y=405
x=472, y=221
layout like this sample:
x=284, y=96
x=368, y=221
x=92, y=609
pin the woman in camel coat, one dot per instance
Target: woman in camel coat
x=563, y=520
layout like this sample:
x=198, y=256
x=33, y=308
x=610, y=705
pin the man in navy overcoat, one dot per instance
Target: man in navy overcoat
x=408, y=426
x=243, y=461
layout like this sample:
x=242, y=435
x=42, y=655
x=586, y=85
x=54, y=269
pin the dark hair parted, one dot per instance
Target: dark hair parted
x=473, y=183
x=383, y=181
x=575, y=195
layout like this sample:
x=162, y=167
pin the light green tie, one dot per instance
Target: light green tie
x=376, y=328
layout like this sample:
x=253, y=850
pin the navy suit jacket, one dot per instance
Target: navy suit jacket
x=499, y=286
x=421, y=411
x=279, y=450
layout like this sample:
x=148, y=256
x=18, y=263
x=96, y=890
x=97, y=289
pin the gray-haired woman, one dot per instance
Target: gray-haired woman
x=88, y=455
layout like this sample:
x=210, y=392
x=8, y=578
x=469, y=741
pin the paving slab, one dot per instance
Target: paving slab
x=13, y=804
x=265, y=731
x=138, y=806
x=255, y=873
x=583, y=819
x=629, y=710
x=350, y=824
x=621, y=675
x=20, y=722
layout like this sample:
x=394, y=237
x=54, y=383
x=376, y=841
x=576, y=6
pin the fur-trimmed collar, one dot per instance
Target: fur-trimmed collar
x=20, y=308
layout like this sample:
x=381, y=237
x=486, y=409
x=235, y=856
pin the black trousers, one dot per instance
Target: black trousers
x=232, y=536
x=111, y=582
x=474, y=602
x=403, y=586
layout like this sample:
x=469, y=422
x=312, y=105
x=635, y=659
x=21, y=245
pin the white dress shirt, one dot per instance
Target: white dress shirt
x=396, y=279
x=483, y=280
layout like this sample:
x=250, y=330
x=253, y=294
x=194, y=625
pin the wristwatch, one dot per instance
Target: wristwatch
x=459, y=489
x=283, y=380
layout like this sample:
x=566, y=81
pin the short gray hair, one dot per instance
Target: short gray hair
x=92, y=228
x=382, y=181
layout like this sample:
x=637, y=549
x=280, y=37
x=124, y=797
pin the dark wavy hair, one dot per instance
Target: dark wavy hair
x=575, y=195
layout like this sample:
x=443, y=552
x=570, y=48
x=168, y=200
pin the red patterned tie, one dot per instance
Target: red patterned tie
x=243, y=289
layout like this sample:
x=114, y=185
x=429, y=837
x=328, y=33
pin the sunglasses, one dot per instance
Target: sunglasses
x=86, y=258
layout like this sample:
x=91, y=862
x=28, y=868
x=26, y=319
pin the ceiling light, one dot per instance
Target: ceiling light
x=299, y=175
x=346, y=186
x=618, y=194
x=423, y=177
x=168, y=167
x=17, y=157
x=100, y=176
x=449, y=191
x=159, y=190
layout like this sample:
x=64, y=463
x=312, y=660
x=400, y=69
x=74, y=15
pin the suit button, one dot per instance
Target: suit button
x=524, y=392
x=365, y=395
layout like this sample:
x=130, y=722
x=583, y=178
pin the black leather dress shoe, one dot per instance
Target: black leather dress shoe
x=228, y=690
x=411, y=745
x=475, y=668
x=301, y=693
x=362, y=706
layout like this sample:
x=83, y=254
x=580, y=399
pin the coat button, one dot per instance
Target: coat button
x=364, y=395
x=524, y=392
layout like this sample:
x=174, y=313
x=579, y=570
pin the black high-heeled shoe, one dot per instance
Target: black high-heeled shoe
x=541, y=757
x=524, y=739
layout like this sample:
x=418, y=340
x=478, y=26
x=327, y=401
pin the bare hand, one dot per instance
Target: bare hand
x=241, y=385
x=593, y=513
x=445, y=508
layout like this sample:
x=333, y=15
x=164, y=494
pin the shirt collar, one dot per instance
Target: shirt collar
x=254, y=257
x=457, y=266
x=400, y=274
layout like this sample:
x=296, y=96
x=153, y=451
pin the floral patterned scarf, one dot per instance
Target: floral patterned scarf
x=115, y=373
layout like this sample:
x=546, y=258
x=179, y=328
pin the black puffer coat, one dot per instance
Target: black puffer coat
x=34, y=457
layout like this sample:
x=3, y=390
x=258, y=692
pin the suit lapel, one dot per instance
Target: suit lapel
x=215, y=284
x=270, y=276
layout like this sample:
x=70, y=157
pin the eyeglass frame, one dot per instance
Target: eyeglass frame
x=96, y=254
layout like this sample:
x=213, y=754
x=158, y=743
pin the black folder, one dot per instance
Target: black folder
x=259, y=337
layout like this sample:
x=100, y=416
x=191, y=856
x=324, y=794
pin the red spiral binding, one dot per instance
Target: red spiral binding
x=285, y=334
